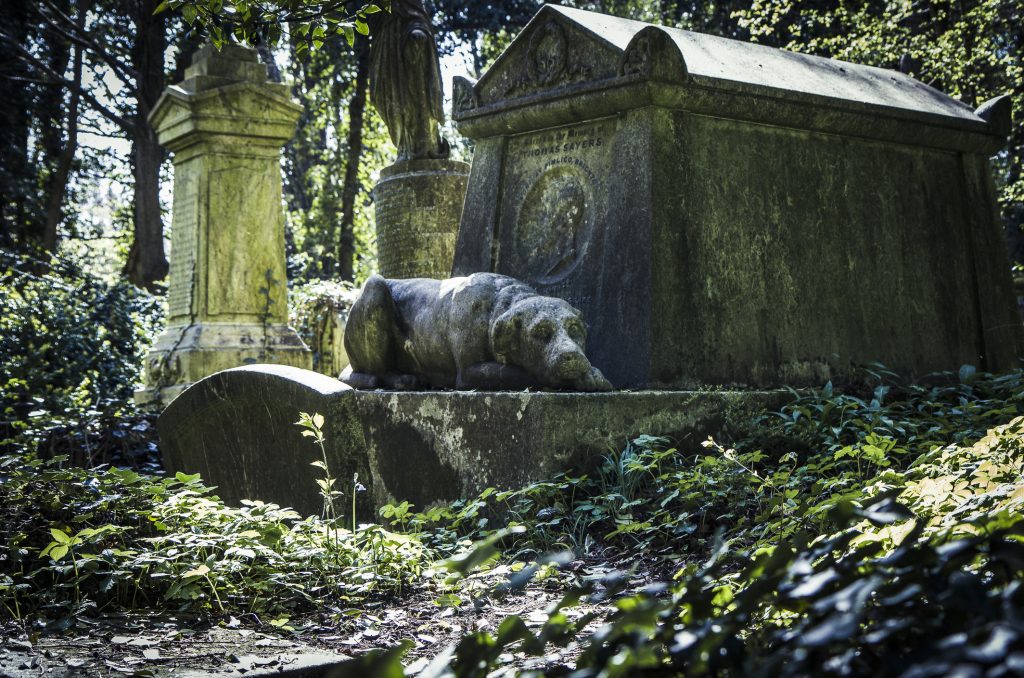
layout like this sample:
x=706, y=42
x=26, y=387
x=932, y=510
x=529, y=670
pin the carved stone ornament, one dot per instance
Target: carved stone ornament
x=463, y=95
x=653, y=54
x=636, y=60
x=553, y=225
x=548, y=54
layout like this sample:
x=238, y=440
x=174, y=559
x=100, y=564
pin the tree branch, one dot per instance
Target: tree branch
x=56, y=79
x=81, y=38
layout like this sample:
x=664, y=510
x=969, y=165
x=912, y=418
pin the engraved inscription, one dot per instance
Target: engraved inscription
x=415, y=237
x=185, y=225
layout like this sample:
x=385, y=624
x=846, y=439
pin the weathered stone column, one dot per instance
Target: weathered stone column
x=417, y=209
x=227, y=301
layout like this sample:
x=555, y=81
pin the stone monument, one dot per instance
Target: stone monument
x=719, y=212
x=418, y=200
x=483, y=331
x=227, y=300
x=724, y=212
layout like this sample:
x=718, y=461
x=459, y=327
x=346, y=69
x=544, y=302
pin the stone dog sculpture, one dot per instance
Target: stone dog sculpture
x=483, y=331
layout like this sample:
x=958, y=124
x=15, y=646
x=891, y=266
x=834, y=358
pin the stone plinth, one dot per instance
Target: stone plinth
x=227, y=297
x=237, y=429
x=723, y=212
x=417, y=209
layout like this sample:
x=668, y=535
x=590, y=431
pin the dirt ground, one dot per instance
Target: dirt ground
x=169, y=645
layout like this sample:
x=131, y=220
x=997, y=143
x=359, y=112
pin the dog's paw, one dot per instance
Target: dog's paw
x=404, y=382
x=595, y=381
x=360, y=380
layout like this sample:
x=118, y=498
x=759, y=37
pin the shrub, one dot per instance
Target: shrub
x=318, y=311
x=71, y=349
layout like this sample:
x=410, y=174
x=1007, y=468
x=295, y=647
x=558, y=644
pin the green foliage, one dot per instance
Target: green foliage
x=71, y=346
x=81, y=541
x=812, y=606
x=325, y=242
x=317, y=310
x=785, y=475
x=872, y=545
x=314, y=428
x=313, y=21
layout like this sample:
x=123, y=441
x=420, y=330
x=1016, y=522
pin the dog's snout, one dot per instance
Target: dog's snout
x=570, y=363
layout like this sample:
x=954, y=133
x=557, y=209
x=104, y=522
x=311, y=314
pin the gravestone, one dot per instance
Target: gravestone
x=723, y=212
x=227, y=297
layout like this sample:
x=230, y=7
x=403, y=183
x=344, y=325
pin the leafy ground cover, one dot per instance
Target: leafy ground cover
x=870, y=530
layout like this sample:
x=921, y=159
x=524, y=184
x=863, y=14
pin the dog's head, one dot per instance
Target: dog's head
x=546, y=337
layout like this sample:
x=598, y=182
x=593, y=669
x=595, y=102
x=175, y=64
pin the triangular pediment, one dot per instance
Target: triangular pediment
x=556, y=50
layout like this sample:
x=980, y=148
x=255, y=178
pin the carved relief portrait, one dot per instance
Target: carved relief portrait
x=554, y=224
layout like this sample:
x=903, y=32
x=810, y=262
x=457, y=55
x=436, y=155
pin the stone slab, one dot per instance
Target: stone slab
x=237, y=429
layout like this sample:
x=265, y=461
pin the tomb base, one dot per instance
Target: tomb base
x=183, y=355
x=237, y=428
x=418, y=207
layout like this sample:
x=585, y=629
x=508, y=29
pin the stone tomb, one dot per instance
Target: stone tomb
x=724, y=212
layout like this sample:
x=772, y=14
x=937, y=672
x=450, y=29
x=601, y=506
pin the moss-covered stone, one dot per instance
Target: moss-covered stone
x=724, y=212
x=417, y=209
x=237, y=429
x=227, y=299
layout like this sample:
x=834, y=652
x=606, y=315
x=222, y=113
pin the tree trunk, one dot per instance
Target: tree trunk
x=350, y=188
x=147, y=262
x=62, y=173
x=17, y=174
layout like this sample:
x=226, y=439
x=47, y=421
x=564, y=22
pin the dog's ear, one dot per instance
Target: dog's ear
x=505, y=335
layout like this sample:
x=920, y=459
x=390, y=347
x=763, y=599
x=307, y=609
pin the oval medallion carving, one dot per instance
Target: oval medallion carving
x=554, y=224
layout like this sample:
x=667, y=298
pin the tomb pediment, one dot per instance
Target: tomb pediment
x=616, y=64
x=553, y=52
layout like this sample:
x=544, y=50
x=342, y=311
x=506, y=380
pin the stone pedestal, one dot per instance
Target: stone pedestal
x=418, y=206
x=236, y=428
x=227, y=301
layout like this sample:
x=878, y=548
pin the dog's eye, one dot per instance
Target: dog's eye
x=542, y=332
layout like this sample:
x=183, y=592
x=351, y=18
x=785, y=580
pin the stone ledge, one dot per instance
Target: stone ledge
x=237, y=429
